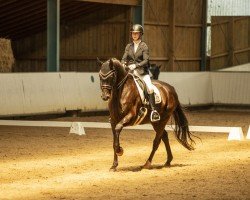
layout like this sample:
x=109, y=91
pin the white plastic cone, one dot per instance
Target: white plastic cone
x=77, y=128
x=236, y=134
x=248, y=134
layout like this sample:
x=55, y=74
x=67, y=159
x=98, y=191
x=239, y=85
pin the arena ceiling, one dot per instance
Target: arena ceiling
x=19, y=18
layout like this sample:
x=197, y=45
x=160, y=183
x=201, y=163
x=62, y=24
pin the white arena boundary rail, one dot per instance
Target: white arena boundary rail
x=46, y=93
x=235, y=133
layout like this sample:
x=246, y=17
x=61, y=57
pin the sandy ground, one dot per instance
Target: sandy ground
x=48, y=163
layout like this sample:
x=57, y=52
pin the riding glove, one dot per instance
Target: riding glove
x=132, y=67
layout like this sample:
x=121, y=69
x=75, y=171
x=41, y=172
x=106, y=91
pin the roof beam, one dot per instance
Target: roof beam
x=4, y=3
x=119, y=2
x=20, y=7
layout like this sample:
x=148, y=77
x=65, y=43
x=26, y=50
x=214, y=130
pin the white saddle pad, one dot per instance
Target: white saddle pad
x=156, y=92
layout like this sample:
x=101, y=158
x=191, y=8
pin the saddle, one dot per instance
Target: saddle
x=141, y=87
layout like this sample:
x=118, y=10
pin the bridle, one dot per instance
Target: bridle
x=109, y=74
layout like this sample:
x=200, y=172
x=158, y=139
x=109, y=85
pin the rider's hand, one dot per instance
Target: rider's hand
x=132, y=67
x=124, y=65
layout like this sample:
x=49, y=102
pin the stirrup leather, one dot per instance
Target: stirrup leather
x=154, y=116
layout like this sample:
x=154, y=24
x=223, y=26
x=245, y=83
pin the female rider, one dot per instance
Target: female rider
x=136, y=57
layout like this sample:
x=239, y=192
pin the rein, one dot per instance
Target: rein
x=122, y=81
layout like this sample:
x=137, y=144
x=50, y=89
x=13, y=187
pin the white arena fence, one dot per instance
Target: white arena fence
x=235, y=133
x=46, y=93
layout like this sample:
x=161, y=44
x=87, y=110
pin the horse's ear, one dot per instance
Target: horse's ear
x=111, y=64
x=159, y=66
x=98, y=62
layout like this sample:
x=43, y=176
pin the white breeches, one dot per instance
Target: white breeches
x=147, y=80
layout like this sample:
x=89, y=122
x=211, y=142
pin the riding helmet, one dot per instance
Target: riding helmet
x=137, y=28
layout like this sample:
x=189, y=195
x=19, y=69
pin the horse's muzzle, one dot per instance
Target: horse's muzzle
x=105, y=96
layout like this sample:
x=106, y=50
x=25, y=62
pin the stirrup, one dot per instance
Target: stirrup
x=155, y=116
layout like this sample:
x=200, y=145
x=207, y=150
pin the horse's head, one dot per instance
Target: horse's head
x=155, y=70
x=108, y=78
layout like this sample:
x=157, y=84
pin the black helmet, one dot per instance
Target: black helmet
x=137, y=28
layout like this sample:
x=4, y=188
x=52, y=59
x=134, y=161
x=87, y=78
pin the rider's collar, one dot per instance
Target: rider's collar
x=137, y=42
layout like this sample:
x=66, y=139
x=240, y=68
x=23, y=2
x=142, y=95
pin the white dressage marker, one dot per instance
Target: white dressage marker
x=78, y=127
x=248, y=134
x=236, y=134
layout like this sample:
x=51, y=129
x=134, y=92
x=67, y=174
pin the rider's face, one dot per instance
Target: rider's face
x=135, y=36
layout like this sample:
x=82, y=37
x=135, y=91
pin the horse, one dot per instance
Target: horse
x=155, y=71
x=124, y=104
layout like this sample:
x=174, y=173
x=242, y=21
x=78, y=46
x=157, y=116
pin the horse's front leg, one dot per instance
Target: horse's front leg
x=115, y=161
x=117, y=147
x=118, y=129
x=118, y=150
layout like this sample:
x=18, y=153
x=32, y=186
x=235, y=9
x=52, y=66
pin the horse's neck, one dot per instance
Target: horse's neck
x=114, y=105
x=118, y=89
x=127, y=86
x=121, y=74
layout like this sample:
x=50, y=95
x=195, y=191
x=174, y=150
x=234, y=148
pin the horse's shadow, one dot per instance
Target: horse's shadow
x=153, y=167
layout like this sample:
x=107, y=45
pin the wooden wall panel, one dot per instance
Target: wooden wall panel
x=219, y=37
x=241, y=34
x=219, y=62
x=156, y=25
x=173, y=33
x=187, y=45
x=101, y=34
x=230, y=44
x=188, y=24
x=158, y=49
x=188, y=11
x=156, y=13
x=186, y=65
x=155, y=35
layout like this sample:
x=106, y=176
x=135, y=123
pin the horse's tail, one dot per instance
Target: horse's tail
x=181, y=131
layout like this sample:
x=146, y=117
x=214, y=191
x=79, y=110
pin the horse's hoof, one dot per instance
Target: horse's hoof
x=120, y=152
x=112, y=169
x=147, y=165
x=167, y=164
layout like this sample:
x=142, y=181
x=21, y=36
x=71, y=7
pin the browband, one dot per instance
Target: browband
x=105, y=76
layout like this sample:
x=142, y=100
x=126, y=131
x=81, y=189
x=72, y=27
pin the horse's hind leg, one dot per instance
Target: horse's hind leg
x=168, y=149
x=156, y=144
x=159, y=129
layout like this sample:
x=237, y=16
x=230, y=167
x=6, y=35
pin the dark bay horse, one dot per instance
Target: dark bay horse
x=124, y=102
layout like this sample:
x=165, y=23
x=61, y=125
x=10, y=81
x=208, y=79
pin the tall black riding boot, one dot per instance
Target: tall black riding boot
x=154, y=114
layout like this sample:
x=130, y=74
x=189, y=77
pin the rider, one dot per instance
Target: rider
x=136, y=56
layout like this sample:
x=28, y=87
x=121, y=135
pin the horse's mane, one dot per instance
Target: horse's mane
x=116, y=62
x=106, y=65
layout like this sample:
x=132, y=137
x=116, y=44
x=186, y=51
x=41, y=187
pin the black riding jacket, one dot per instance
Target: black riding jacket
x=140, y=58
